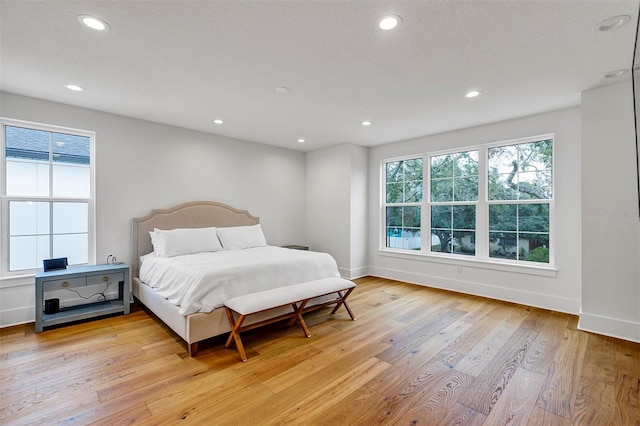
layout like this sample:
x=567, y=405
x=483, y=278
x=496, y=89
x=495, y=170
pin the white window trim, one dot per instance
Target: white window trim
x=10, y=279
x=459, y=261
x=426, y=217
x=481, y=258
x=384, y=204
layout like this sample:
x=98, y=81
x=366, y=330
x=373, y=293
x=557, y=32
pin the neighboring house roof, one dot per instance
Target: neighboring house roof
x=34, y=145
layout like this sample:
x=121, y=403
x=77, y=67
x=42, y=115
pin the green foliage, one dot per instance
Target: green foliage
x=521, y=171
x=523, y=217
x=404, y=181
x=454, y=177
x=515, y=172
x=538, y=254
x=533, y=217
x=503, y=217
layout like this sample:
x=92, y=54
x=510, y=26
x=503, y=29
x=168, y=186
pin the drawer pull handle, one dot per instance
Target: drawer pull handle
x=65, y=284
x=105, y=278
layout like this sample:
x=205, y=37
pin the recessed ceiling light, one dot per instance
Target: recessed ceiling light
x=613, y=23
x=302, y=140
x=282, y=89
x=367, y=123
x=74, y=87
x=218, y=121
x=473, y=93
x=93, y=23
x=616, y=73
x=389, y=22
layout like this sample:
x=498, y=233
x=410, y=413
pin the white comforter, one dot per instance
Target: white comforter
x=204, y=281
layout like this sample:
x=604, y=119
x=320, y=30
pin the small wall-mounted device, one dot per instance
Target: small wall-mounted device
x=55, y=264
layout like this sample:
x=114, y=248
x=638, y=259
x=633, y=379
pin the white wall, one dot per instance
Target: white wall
x=359, y=210
x=553, y=290
x=610, y=221
x=336, y=205
x=142, y=165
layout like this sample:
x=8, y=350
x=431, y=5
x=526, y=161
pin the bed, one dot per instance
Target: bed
x=205, y=317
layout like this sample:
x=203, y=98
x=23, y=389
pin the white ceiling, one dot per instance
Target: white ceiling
x=187, y=62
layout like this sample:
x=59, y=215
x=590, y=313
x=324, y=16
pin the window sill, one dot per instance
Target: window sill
x=17, y=280
x=471, y=263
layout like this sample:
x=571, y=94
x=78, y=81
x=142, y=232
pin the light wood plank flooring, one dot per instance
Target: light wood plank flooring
x=415, y=356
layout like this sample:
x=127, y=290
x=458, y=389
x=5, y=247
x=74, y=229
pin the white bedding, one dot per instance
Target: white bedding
x=202, y=282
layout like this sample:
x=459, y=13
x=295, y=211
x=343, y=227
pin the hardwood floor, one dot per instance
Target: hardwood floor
x=415, y=356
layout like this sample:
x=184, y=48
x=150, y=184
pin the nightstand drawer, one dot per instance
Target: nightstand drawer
x=62, y=284
x=104, y=278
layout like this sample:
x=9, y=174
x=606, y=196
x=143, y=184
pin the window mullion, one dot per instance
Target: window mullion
x=425, y=219
x=50, y=194
x=482, y=209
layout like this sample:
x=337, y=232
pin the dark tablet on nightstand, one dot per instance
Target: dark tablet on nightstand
x=55, y=264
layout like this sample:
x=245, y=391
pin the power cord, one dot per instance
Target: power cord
x=111, y=260
x=101, y=294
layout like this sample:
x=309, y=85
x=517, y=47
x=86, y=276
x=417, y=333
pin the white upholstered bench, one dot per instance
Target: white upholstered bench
x=297, y=296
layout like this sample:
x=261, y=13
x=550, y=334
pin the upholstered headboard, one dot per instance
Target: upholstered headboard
x=198, y=214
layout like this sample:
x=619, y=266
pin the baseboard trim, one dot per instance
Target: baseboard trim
x=539, y=300
x=352, y=274
x=612, y=327
x=17, y=316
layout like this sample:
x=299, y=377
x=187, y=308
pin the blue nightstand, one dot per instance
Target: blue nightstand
x=73, y=279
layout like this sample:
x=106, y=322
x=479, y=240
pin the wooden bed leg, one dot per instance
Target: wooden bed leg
x=193, y=348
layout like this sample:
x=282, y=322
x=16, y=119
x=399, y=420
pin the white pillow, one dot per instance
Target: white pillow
x=241, y=237
x=176, y=242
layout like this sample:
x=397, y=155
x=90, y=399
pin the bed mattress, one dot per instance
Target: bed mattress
x=202, y=282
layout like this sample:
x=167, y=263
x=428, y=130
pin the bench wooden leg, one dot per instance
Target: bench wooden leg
x=298, y=311
x=343, y=301
x=235, y=334
x=298, y=307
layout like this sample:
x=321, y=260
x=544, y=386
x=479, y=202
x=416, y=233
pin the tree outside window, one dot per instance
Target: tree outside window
x=454, y=191
x=520, y=176
x=403, y=198
x=514, y=205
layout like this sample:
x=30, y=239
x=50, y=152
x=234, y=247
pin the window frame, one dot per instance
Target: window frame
x=482, y=256
x=550, y=201
x=5, y=199
x=384, y=204
x=453, y=203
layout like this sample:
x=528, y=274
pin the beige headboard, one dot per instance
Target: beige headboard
x=198, y=214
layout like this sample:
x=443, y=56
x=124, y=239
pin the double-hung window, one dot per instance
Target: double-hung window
x=454, y=194
x=403, y=201
x=47, y=196
x=492, y=202
x=520, y=194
